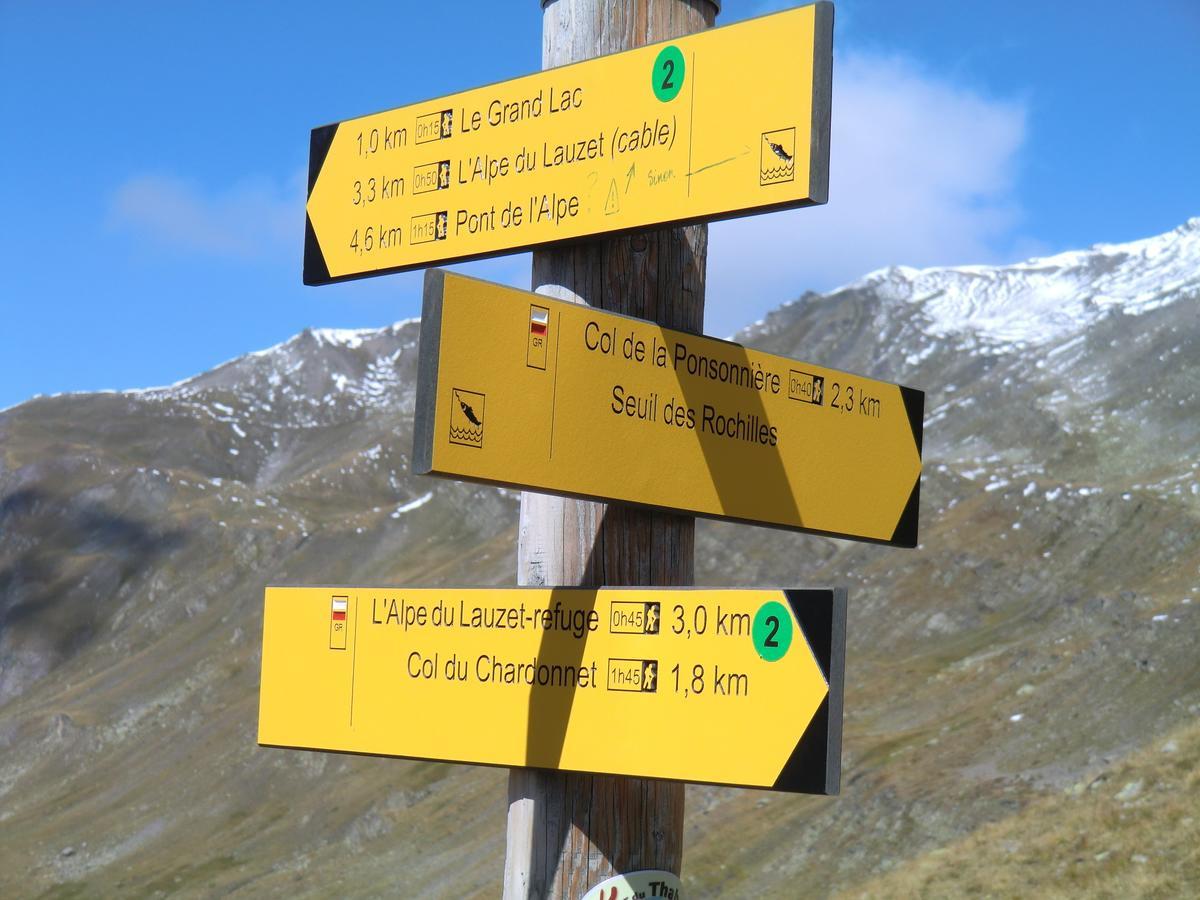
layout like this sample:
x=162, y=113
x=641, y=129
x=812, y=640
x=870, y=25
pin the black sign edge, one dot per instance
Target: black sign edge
x=319, y=142
x=815, y=764
x=914, y=408
x=428, y=359
x=315, y=269
x=905, y=534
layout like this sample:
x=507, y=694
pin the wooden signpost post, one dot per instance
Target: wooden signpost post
x=567, y=831
x=642, y=126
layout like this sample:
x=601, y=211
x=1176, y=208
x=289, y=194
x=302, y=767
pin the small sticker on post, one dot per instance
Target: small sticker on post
x=650, y=883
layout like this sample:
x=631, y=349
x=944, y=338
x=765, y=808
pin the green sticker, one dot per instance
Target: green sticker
x=772, y=630
x=667, y=77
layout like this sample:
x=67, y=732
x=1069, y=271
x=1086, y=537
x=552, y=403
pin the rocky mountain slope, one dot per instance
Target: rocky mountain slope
x=1023, y=690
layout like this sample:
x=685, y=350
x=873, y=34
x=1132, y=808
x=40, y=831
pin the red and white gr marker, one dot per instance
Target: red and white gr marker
x=337, y=623
x=539, y=326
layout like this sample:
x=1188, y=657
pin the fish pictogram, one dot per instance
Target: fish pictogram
x=778, y=150
x=467, y=411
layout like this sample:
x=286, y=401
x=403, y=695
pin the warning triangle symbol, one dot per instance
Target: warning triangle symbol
x=612, y=204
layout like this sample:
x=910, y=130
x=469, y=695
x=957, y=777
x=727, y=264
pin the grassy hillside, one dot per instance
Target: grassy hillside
x=1132, y=830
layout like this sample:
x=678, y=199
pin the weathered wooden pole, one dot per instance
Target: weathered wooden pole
x=566, y=831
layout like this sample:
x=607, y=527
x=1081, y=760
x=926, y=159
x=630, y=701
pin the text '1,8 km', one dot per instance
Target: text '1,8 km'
x=717, y=124
x=613, y=680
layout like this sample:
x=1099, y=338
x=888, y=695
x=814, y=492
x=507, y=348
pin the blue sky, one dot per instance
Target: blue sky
x=153, y=157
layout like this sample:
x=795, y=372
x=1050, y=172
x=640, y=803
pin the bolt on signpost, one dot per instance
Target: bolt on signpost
x=599, y=387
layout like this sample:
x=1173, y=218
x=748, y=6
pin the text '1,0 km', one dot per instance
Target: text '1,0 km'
x=515, y=388
x=738, y=687
x=718, y=124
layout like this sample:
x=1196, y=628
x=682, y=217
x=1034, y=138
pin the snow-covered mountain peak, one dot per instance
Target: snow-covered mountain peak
x=312, y=379
x=344, y=338
x=1047, y=298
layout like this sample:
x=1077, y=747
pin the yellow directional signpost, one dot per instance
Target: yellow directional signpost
x=712, y=125
x=740, y=687
x=515, y=388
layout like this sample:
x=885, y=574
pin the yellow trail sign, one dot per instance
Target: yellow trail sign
x=515, y=388
x=718, y=124
x=740, y=687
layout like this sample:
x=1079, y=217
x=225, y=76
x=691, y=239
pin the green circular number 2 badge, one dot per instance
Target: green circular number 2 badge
x=772, y=630
x=667, y=77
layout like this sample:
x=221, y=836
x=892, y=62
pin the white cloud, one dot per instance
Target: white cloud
x=921, y=173
x=262, y=220
x=250, y=220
